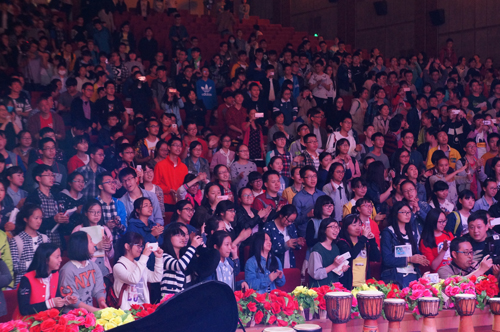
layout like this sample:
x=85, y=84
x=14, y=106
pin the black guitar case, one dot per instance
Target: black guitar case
x=206, y=307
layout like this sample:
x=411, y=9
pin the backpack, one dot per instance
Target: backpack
x=111, y=298
x=458, y=222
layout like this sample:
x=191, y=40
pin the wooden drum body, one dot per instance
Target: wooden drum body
x=394, y=310
x=370, y=308
x=495, y=310
x=338, y=308
x=465, y=304
x=429, y=308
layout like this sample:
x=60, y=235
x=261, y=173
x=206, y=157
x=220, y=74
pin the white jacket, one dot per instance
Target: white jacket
x=130, y=273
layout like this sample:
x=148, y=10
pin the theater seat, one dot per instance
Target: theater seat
x=168, y=216
x=300, y=256
x=240, y=276
x=292, y=279
x=11, y=300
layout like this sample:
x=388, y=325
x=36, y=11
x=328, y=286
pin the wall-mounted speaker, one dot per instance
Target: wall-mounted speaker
x=380, y=7
x=437, y=17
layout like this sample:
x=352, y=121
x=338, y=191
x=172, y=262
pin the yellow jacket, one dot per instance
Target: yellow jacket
x=454, y=156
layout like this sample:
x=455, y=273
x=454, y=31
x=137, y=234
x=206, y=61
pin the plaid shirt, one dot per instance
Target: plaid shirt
x=50, y=208
x=308, y=160
x=287, y=161
x=90, y=191
x=108, y=213
x=21, y=259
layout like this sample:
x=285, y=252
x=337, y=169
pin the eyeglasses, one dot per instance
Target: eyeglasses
x=78, y=181
x=110, y=182
x=141, y=246
x=368, y=205
x=49, y=175
x=311, y=177
x=95, y=213
x=442, y=221
x=246, y=196
x=466, y=253
x=231, y=210
x=405, y=212
x=189, y=209
x=177, y=145
x=128, y=180
x=154, y=126
x=409, y=191
x=49, y=149
x=334, y=226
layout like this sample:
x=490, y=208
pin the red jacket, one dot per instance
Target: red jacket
x=38, y=290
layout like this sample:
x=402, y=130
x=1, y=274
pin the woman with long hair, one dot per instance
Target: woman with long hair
x=211, y=197
x=365, y=211
x=457, y=220
x=378, y=190
x=184, y=211
x=435, y=241
x=222, y=177
x=325, y=161
x=336, y=114
x=411, y=170
x=224, y=155
x=263, y=271
x=141, y=222
x=147, y=184
x=360, y=242
x=80, y=251
x=131, y=273
x=342, y=156
x=176, y=258
x=70, y=198
x=26, y=239
x=43, y=272
x=226, y=212
x=284, y=235
x=401, y=270
x=401, y=158
x=171, y=102
x=242, y=167
x=104, y=249
x=439, y=198
x=323, y=208
x=229, y=264
x=325, y=255
x=248, y=217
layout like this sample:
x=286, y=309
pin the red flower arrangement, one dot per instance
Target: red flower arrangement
x=486, y=287
x=74, y=321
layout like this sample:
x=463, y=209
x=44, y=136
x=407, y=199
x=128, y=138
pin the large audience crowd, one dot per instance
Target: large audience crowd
x=146, y=176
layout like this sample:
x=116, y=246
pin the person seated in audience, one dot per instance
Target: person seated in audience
x=72, y=198
x=41, y=274
x=359, y=241
x=479, y=230
x=104, y=251
x=171, y=102
x=263, y=270
x=24, y=149
x=111, y=103
x=183, y=214
x=435, y=241
x=284, y=236
x=114, y=215
x=297, y=185
x=402, y=270
x=147, y=184
x=170, y=172
x=145, y=149
x=69, y=92
x=177, y=254
x=279, y=149
x=26, y=239
x=325, y=255
x=271, y=197
x=225, y=211
x=131, y=273
x=212, y=195
x=196, y=164
x=242, y=167
x=47, y=150
x=81, y=158
x=43, y=196
x=190, y=190
x=223, y=156
x=229, y=265
x=255, y=183
x=141, y=222
x=5, y=281
x=80, y=252
x=46, y=118
x=190, y=136
x=490, y=190
x=462, y=263
x=91, y=170
x=129, y=179
x=248, y=217
x=323, y=209
x=15, y=177
x=222, y=177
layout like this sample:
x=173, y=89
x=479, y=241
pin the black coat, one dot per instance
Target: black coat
x=373, y=255
x=78, y=115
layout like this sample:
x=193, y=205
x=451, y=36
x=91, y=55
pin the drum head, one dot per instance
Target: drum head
x=495, y=299
x=278, y=329
x=465, y=296
x=337, y=294
x=370, y=293
x=307, y=327
x=428, y=298
x=398, y=301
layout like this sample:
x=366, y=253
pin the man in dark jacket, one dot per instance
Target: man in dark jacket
x=82, y=108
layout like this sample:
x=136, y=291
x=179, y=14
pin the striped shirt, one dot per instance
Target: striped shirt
x=174, y=279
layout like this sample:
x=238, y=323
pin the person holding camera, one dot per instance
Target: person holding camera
x=462, y=263
x=478, y=233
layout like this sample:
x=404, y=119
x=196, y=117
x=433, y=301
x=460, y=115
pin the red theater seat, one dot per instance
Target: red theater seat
x=292, y=279
x=11, y=300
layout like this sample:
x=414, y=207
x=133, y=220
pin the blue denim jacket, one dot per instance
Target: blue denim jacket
x=260, y=281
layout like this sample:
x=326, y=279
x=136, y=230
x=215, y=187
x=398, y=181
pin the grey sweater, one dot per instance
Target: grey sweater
x=83, y=282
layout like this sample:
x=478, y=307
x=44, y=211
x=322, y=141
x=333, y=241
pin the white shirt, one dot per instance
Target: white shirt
x=286, y=236
x=320, y=91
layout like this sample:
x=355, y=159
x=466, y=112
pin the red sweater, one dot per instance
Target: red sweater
x=73, y=163
x=168, y=177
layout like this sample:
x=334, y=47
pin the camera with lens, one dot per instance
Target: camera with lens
x=493, y=248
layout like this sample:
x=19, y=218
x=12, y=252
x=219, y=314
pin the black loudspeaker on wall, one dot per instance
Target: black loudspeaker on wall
x=437, y=17
x=380, y=7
